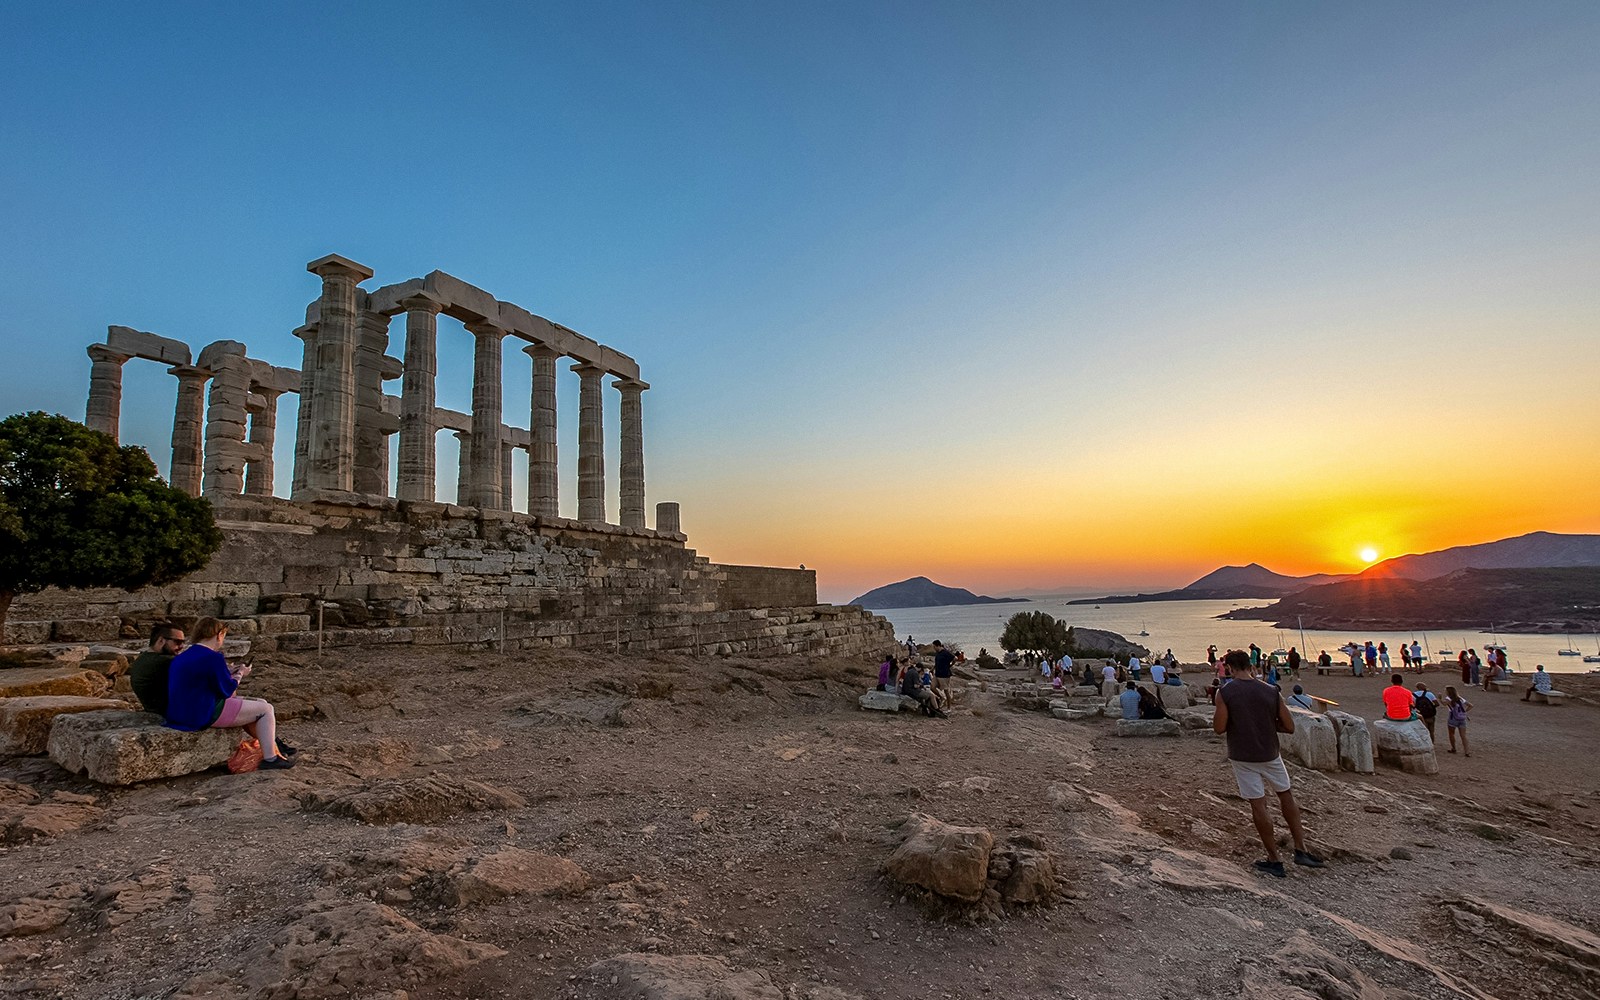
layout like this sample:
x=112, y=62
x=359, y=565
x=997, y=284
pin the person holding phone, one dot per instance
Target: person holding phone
x=202, y=694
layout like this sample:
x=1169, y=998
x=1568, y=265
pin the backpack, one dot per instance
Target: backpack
x=1426, y=708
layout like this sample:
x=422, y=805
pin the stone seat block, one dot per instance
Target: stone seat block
x=1073, y=714
x=1314, y=742
x=1501, y=685
x=25, y=722
x=1406, y=745
x=26, y=682
x=1551, y=697
x=123, y=748
x=887, y=701
x=1174, y=696
x=1149, y=727
x=1355, y=741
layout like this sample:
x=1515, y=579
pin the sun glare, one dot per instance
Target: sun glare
x=1369, y=555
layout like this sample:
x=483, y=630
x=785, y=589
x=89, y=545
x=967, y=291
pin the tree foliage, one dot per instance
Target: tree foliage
x=78, y=510
x=1036, y=632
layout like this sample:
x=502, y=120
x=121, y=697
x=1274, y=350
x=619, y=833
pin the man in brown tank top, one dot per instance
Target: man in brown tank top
x=1251, y=713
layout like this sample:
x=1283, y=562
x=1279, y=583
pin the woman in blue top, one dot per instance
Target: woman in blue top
x=201, y=695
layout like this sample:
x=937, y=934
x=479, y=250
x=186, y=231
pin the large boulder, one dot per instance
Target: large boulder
x=122, y=748
x=1022, y=871
x=1149, y=727
x=25, y=722
x=27, y=682
x=1355, y=741
x=949, y=860
x=1314, y=742
x=1406, y=745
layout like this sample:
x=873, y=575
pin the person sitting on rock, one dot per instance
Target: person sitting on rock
x=148, y=675
x=1158, y=673
x=1175, y=675
x=201, y=695
x=1129, y=700
x=1541, y=683
x=1300, y=699
x=886, y=673
x=1398, y=703
x=911, y=686
x=1150, y=705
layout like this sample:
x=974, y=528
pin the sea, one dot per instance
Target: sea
x=1188, y=627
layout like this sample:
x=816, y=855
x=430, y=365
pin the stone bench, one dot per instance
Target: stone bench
x=1314, y=742
x=25, y=722
x=122, y=748
x=1550, y=697
x=888, y=701
x=1355, y=741
x=1501, y=685
x=1149, y=727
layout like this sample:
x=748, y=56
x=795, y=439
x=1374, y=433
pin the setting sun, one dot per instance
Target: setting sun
x=1369, y=555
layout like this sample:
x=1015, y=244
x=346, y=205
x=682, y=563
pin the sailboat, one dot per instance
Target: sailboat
x=1144, y=630
x=1571, y=650
x=1596, y=657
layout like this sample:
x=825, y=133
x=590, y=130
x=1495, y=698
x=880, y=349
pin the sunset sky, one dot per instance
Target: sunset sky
x=1011, y=295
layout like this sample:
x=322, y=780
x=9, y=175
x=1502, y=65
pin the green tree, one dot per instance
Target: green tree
x=78, y=510
x=1036, y=632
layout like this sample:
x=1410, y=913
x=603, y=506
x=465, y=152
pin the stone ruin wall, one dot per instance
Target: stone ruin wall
x=381, y=570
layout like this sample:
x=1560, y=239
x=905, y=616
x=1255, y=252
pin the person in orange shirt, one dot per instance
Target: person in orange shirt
x=1398, y=703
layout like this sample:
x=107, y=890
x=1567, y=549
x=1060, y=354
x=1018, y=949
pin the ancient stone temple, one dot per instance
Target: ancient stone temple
x=341, y=561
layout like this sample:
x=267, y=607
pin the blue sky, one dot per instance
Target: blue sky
x=921, y=288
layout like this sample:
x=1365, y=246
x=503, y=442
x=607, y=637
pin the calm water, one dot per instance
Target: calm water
x=1187, y=627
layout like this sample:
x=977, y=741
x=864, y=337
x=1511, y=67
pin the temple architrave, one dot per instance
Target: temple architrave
x=342, y=562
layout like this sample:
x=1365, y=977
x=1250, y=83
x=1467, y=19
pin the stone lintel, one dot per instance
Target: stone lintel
x=138, y=344
x=266, y=377
x=333, y=264
x=391, y=299
x=453, y=420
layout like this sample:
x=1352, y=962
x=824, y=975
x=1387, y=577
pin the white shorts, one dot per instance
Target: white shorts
x=1254, y=776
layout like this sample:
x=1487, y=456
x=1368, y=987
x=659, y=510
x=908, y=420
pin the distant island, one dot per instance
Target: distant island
x=1252, y=582
x=1536, y=550
x=1551, y=600
x=921, y=592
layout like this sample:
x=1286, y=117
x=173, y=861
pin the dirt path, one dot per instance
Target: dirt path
x=742, y=810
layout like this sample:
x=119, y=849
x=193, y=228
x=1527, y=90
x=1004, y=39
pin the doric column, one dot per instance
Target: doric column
x=505, y=474
x=331, y=456
x=483, y=487
x=591, y=445
x=226, y=415
x=667, y=517
x=187, y=428
x=631, y=513
x=104, y=412
x=464, y=468
x=263, y=434
x=418, y=425
x=308, y=391
x=543, y=476
x=370, y=474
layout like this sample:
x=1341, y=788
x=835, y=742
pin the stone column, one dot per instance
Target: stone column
x=308, y=390
x=104, y=412
x=631, y=513
x=487, y=416
x=226, y=416
x=667, y=517
x=187, y=424
x=464, y=467
x=330, y=460
x=591, y=445
x=263, y=434
x=419, y=427
x=505, y=474
x=370, y=474
x=543, y=476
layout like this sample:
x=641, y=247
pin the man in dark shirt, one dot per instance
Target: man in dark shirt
x=911, y=686
x=148, y=675
x=1251, y=713
x=943, y=664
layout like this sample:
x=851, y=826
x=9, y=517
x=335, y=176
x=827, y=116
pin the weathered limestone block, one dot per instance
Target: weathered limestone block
x=1405, y=745
x=1174, y=696
x=1355, y=741
x=1073, y=714
x=25, y=722
x=281, y=623
x=1149, y=727
x=121, y=748
x=27, y=682
x=1197, y=717
x=1314, y=742
x=20, y=633
x=950, y=860
x=87, y=630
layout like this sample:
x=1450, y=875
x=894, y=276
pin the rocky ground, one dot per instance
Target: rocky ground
x=565, y=826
